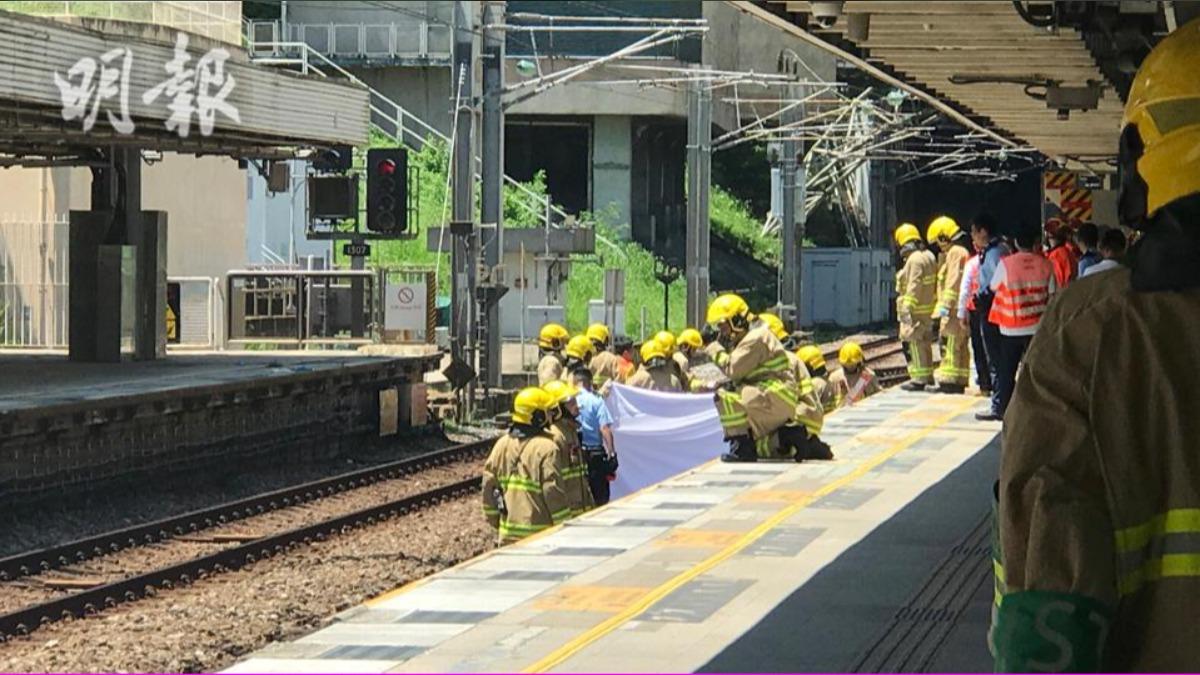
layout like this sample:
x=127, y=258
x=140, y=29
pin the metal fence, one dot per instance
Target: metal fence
x=409, y=41
x=300, y=308
x=33, y=284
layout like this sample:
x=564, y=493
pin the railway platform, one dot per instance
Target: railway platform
x=67, y=425
x=876, y=561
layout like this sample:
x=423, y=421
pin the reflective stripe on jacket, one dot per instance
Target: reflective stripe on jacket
x=918, y=285
x=1024, y=283
x=524, y=472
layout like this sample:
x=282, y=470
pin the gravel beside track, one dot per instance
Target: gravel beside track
x=25, y=591
x=208, y=625
x=26, y=528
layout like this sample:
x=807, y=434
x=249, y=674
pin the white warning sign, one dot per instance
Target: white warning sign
x=405, y=308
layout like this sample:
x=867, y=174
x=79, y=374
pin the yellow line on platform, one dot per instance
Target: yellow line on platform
x=647, y=601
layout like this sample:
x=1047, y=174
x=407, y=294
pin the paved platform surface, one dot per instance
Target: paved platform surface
x=877, y=561
x=33, y=380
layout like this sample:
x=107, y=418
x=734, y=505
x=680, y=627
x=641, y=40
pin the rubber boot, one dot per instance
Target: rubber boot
x=793, y=438
x=741, y=449
x=913, y=386
x=816, y=449
x=946, y=388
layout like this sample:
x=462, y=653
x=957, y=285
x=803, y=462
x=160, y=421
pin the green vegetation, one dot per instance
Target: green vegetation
x=730, y=216
x=732, y=221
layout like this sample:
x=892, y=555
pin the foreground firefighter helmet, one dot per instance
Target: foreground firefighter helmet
x=690, y=337
x=775, y=324
x=812, y=356
x=553, y=337
x=1159, y=153
x=599, y=334
x=943, y=228
x=906, y=233
x=851, y=355
x=651, y=349
x=580, y=347
x=532, y=406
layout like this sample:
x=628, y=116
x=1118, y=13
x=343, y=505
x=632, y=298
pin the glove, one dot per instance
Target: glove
x=941, y=313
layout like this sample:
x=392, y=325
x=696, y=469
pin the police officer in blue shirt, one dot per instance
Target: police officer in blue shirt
x=595, y=429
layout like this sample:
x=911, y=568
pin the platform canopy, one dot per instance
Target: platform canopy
x=928, y=43
x=68, y=89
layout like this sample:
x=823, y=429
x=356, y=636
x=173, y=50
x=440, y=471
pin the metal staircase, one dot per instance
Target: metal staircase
x=387, y=116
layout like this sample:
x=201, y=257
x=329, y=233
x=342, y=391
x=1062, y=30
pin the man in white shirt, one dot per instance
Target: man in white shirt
x=1112, y=249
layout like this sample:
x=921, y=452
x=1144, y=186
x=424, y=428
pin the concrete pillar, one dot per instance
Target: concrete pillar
x=699, y=162
x=147, y=232
x=612, y=166
x=491, y=191
x=94, y=294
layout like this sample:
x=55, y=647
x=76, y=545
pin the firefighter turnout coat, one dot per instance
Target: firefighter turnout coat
x=764, y=389
x=956, y=354
x=809, y=410
x=550, y=368
x=524, y=491
x=850, y=388
x=1098, y=566
x=605, y=366
x=565, y=433
x=661, y=378
x=918, y=296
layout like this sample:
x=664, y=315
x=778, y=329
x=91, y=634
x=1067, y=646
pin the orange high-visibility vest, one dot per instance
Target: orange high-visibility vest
x=1022, y=297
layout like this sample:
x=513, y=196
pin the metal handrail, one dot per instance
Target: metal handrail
x=546, y=209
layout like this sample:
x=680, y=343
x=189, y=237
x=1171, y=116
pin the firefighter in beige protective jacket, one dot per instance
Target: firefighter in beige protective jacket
x=917, y=290
x=1097, y=566
x=953, y=244
x=524, y=490
x=761, y=395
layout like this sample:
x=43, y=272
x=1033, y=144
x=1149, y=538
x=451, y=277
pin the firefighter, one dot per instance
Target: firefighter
x=523, y=487
x=564, y=429
x=1097, y=568
x=917, y=291
x=855, y=381
x=656, y=372
x=712, y=346
x=953, y=244
x=691, y=350
x=678, y=362
x=803, y=434
x=760, y=397
x=552, y=338
x=578, y=353
x=815, y=361
x=605, y=364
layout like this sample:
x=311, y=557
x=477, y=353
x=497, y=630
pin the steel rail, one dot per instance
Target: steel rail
x=42, y=560
x=92, y=601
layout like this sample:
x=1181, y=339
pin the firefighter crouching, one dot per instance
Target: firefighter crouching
x=815, y=361
x=677, y=362
x=760, y=397
x=691, y=349
x=855, y=381
x=564, y=429
x=802, y=436
x=523, y=487
x=552, y=338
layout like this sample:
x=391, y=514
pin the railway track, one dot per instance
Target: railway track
x=87, y=576
x=876, y=351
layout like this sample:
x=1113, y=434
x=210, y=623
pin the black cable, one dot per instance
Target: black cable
x=1029, y=18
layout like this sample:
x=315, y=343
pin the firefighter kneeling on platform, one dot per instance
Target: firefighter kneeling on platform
x=760, y=396
x=524, y=491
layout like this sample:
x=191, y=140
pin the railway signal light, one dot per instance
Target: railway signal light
x=387, y=190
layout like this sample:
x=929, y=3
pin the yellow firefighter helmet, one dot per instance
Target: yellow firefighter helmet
x=580, y=347
x=727, y=307
x=812, y=356
x=651, y=349
x=532, y=406
x=691, y=338
x=775, y=324
x=561, y=390
x=599, y=334
x=941, y=228
x=553, y=337
x=1164, y=107
x=905, y=233
x=851, y=354
x=667, y=339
